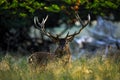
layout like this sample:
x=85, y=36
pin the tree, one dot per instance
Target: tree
x=18, y=14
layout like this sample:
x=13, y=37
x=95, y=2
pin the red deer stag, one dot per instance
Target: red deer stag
x=62, y=51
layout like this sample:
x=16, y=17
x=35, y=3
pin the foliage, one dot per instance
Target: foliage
x=100, y=6
x=30, y=6
x=17, y=15
x=24, y=10
x=82, y=69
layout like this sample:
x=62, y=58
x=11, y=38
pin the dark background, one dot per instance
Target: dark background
x=16, y=19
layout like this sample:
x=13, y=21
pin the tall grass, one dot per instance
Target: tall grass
x=94, y=68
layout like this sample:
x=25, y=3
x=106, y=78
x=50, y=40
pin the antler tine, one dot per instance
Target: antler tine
x=41, y=27
x=80, y=20
x=36, y=22
x=82, y=23
x=44, y=20
x=42, y=24
x=67, y=35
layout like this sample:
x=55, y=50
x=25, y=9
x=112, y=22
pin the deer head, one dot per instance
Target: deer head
x=63, y=43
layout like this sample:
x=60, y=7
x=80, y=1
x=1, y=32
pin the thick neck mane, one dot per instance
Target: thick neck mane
x=60, y=52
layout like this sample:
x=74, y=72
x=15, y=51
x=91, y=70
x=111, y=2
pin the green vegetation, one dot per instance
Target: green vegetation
x=82, y=69
x=19, y=6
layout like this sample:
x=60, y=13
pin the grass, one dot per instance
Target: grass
x=93, y=68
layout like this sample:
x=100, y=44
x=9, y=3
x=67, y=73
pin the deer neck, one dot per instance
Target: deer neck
x=60, y=52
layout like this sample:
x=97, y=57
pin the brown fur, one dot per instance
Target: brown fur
x=64, y=52
x=40, y=58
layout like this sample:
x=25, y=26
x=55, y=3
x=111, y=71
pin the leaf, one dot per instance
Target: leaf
x=23, y=14
x=52, y=8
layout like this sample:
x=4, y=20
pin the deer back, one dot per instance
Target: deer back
x=40, y=58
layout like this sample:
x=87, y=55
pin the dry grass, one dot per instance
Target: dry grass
x=82, y=69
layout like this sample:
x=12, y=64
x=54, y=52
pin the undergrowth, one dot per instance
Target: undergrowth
x=94, y=68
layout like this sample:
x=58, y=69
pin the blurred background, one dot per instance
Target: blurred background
x=18, y=36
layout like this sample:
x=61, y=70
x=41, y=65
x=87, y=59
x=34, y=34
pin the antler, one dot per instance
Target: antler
x=41, y=27
x=82, y=24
